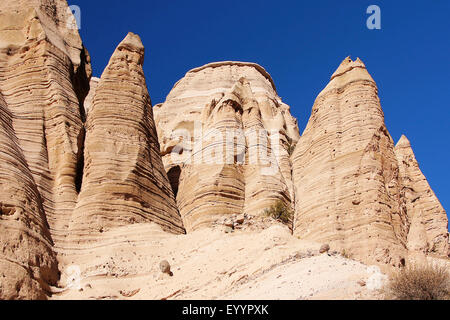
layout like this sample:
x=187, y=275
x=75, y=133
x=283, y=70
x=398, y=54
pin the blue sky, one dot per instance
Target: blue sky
x=300, y=43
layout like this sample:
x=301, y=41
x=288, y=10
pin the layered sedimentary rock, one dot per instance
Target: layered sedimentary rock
x=346, y=174
x=225, y=136
x=44, y=71
x=80, y=160
x=56, y=20
x=124, y=181
x=27, y=263
x=44, y=77
x=90, y=97
x=428, y=232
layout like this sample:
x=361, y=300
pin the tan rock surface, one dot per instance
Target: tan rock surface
x=90, y=97
x=44, y=73
x=428, y=232
x=27, y=263
x=124, y=181
x=346, y=173
x=56, y=20
x=87, y=210
x=213, y=148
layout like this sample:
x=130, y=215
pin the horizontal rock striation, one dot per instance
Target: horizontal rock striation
x=44, y=77
x=27, y=262
x=225, y=136
x=124, y=181
x=90, y=97
x=44, y=73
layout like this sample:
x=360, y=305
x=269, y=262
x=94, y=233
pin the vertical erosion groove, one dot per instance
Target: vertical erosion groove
x=80, y=160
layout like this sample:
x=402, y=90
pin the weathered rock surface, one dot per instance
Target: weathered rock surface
x=90, y=97
x=27, y=263
x=225, y=136
x=56, y=20
x=428, y=232
x=354, y=188
x=83, y=160
x=124, y=181
x=346, y=172
x=44, y=72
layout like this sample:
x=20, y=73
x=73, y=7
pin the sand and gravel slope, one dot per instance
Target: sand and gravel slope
x=210, y=264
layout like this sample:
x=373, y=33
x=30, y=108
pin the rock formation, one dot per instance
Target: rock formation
x=44, y=71
x=27, y=263
x=89, y=170
x=124, y=181
x=428, y=231
x=44, y=77
x=224, y=136
x=349, y=186
x=345, y=171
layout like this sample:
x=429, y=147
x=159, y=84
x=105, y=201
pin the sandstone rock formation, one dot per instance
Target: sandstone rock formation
x=44, y=71
x=49, y=19
x=93, y=179
x=225, y=136
x=349, y=187
x=342, y=166
x=428, y=231
x=44, y=77
x=124, y=181
x=27, y=263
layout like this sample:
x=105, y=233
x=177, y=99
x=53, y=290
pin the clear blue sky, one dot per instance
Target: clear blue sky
x=300, y=43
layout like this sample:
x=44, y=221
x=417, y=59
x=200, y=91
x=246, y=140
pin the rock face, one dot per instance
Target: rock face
x=225, y=136
x=90, y=97
x=44, y=76
x=124, y=181
x=429, y=224
x=50, y=19
x=27, y=262
x=44, y=71
x=350, y=181
x=346, y=173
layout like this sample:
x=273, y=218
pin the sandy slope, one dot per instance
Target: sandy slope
x=209, y=264
x=320, y=277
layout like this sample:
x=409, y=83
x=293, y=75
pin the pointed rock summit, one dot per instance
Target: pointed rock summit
x=124, y=181
x=346, y=174
x=403, y=142
x=348, y=65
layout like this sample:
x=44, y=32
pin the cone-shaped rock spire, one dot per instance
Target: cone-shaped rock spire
x=429, y=224
x=345, y=172
x=124, y=180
